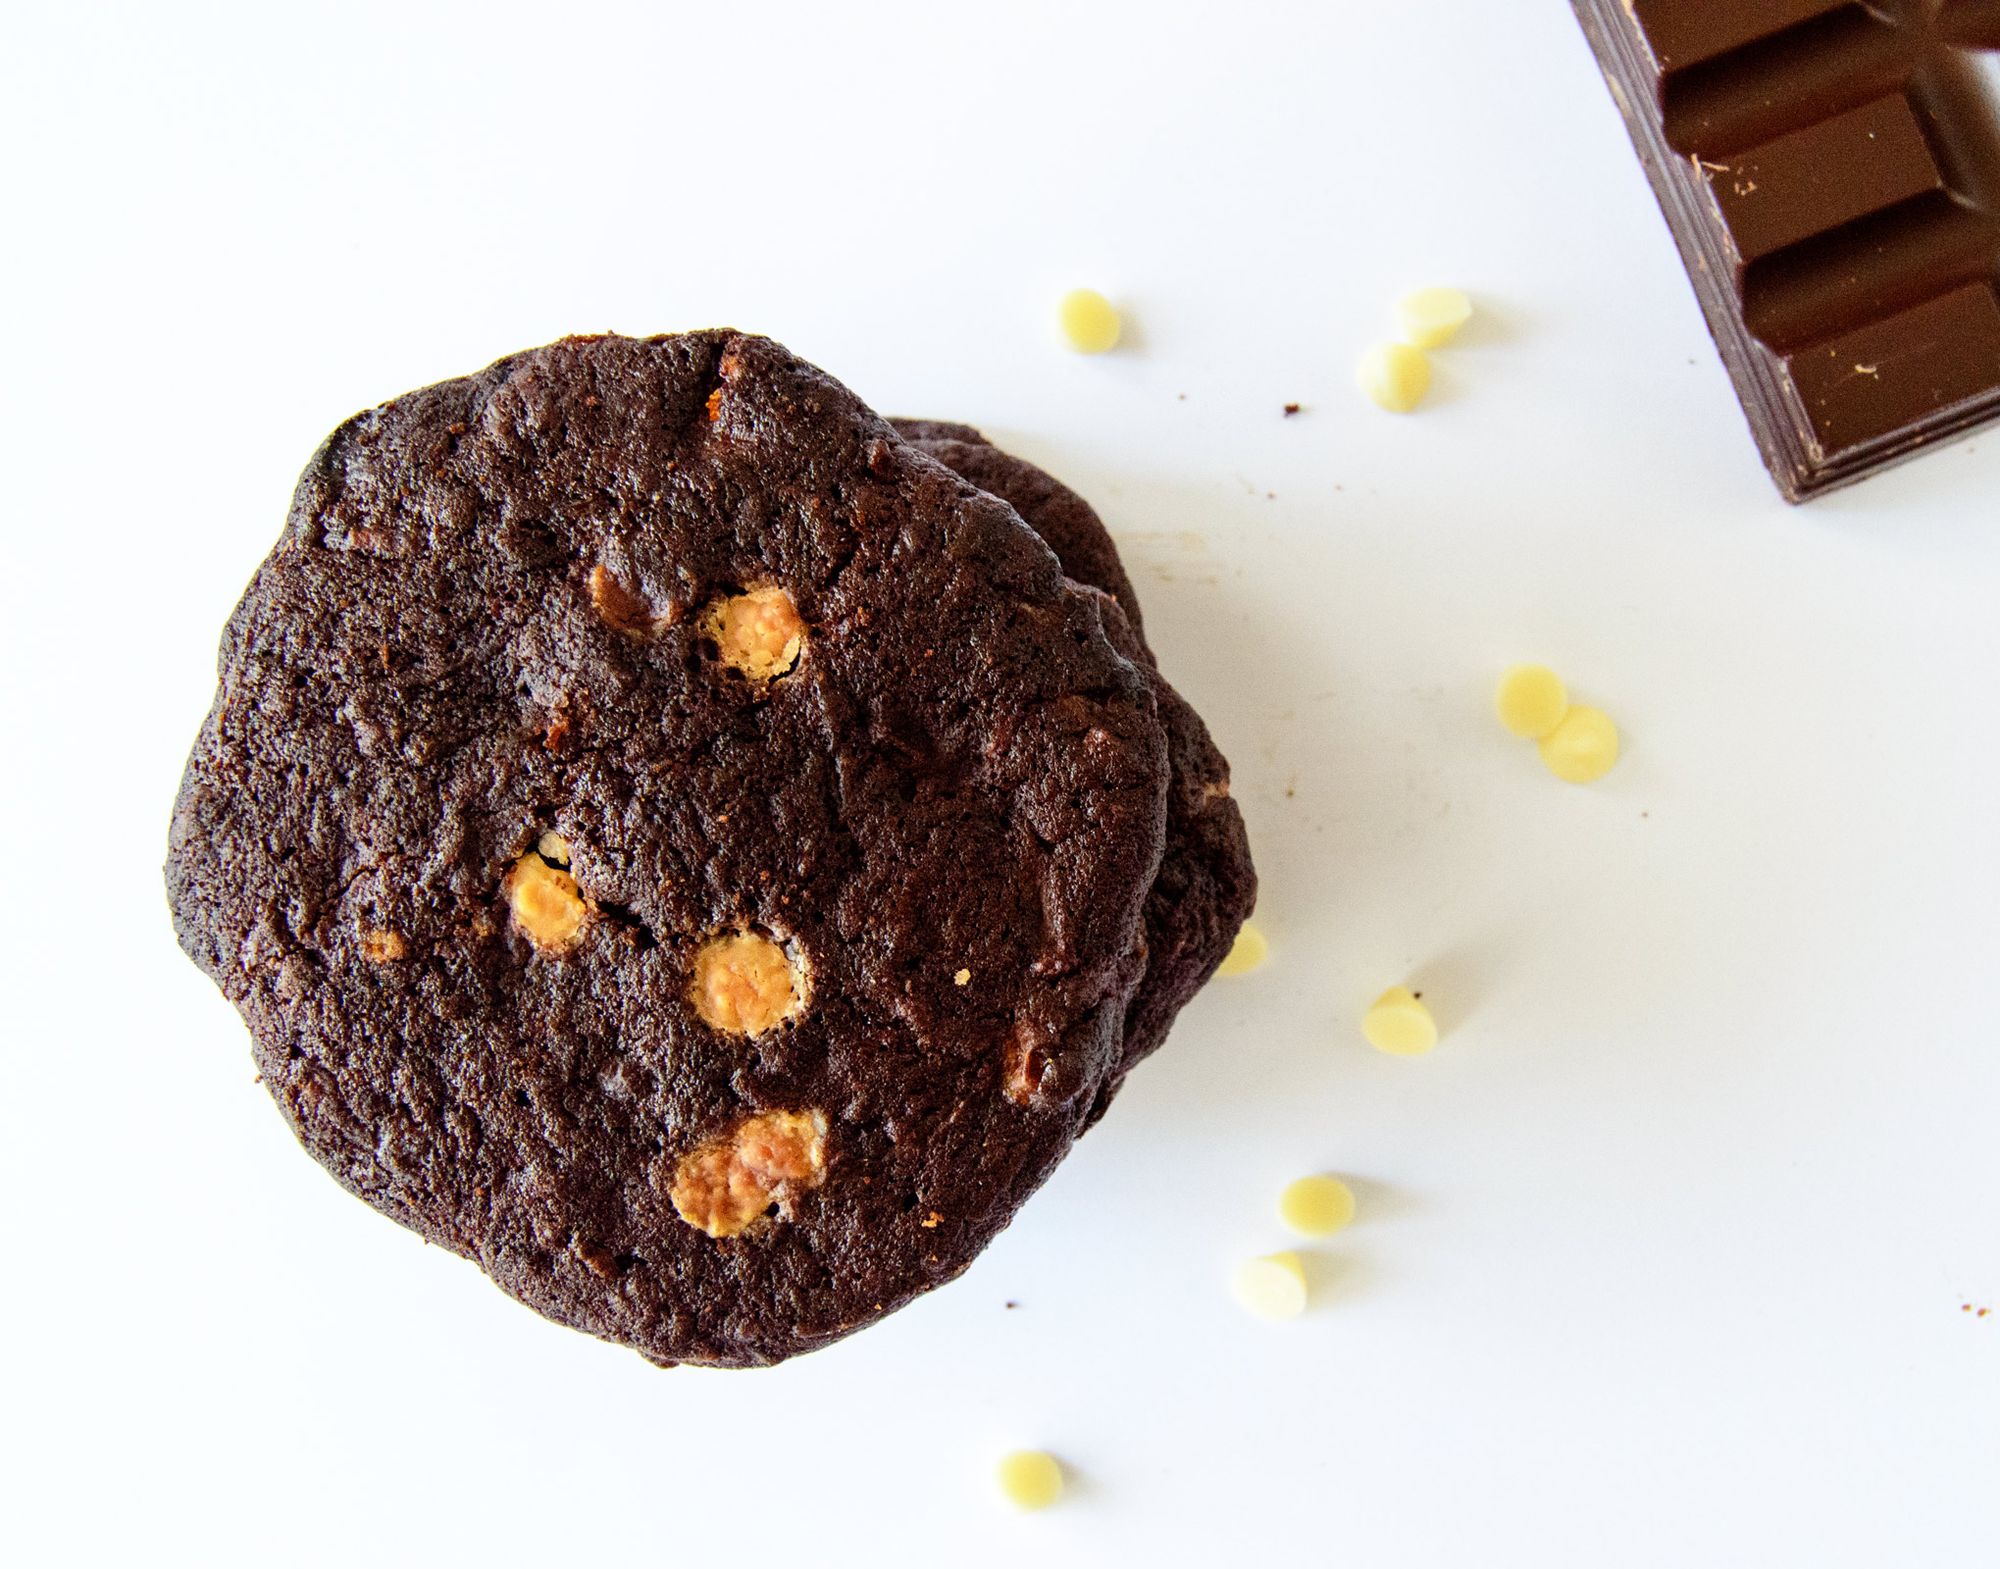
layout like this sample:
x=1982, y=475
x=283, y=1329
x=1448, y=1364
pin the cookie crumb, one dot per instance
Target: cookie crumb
x=1291, y=409
x=962, y=978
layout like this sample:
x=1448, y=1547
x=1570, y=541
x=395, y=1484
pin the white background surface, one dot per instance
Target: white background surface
x=1664, y=1254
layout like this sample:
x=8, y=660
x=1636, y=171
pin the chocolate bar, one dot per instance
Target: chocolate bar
x=1831, y=172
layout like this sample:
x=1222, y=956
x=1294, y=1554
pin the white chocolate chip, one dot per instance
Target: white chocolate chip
x=746, y=984
x=1432, y=317
x=1395, y=375
x=726, y=1185
x=758, y=632
x=546, y=902
x=1272, y=1287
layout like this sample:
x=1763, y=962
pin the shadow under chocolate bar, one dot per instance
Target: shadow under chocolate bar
x=1831, y=172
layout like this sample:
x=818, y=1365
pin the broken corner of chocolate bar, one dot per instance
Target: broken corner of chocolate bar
x=1831, y=173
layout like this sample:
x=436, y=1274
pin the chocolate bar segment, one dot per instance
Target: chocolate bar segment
x=1831, y=172
x=1690, y=34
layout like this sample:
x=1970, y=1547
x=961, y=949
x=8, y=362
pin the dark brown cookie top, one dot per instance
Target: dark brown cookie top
x=671, y=842
x=1068, y=523
x=1207, y=884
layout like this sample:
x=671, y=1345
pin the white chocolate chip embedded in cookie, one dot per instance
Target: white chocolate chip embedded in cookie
x=757, y=632
x=547, y=905
x=746, y=984
x=724, y=1186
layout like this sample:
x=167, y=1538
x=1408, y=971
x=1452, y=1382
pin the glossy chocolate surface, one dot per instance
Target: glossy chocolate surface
x=1831, y=171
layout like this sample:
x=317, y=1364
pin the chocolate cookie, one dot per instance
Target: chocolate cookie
x=672, y=843
x=1207, y=884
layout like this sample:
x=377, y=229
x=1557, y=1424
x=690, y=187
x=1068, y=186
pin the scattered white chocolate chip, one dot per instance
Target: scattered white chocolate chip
x=1583, y=747
x=1247, y=953
x=1090, y=323
x=1531, y=700
x=553, y=847
x=1395, y=375
x=1316, y=1206
x=1030, y=1478
x=1273, y=1286
x=962, y=978
x=1577, y=743
x=1431, y=317
x=1400, y=1024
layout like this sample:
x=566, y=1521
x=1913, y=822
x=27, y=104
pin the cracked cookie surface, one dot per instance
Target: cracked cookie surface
x=671, y=842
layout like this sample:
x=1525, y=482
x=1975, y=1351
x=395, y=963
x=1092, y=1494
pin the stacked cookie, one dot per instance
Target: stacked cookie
x=691, y=847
